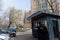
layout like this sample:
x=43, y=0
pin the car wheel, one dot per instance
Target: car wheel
x=11, y=36
x=14, y=35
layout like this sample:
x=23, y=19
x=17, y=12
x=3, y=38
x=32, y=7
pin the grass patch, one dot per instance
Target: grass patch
x=21, y=30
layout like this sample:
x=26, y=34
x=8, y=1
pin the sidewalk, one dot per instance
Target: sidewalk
x=27, y=32
x=25, y=35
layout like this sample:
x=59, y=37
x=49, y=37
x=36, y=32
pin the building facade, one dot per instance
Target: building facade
x=51, y=5
x=21, y=17
x=33, y=6
x=27, y=23
x=17, y=17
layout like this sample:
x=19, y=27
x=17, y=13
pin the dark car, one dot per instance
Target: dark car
x=12, y=32
x=13, y=27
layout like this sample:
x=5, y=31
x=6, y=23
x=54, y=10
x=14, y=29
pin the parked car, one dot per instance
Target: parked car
x=13, y=27
x=12, y=32
x=4, y=35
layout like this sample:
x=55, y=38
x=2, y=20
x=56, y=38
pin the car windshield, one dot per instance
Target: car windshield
x=5, y=31
x=13, y=27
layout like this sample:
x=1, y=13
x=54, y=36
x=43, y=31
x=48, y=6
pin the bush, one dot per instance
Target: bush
x=20, y=30
x=23, y=29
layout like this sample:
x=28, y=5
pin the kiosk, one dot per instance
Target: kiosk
x=50, y=20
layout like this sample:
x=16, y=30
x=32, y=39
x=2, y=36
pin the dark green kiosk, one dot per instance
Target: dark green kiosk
x=50, y=20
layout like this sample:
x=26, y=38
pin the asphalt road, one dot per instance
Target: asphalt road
x=24, y=36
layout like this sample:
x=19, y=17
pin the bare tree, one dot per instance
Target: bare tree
x=54, y=5
x=51, y=5
x=12, y=16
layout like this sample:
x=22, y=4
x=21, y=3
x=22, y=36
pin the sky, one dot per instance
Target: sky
x=19, y=4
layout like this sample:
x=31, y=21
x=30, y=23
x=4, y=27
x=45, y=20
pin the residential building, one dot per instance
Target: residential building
x=27, y=23
x=44, y=5
x=33, y=6
x=21, y=15
x=17, y=17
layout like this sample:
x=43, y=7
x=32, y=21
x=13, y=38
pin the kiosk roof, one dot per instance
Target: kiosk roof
x=43, y=12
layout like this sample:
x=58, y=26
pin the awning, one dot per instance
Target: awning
x=43, y=12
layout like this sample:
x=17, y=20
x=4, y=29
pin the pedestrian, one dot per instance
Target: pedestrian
x=45, y=33
x=42, y=32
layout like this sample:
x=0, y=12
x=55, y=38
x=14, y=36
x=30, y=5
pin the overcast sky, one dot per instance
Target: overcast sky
x=20, y=4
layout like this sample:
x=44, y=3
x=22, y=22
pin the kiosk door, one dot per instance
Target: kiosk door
x=55, y=29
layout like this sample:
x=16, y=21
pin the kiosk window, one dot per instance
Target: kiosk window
x=55, y=28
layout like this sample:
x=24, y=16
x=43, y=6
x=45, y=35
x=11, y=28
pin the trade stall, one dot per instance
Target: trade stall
x=50, y=20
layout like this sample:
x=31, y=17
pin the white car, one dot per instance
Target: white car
x=4, y=35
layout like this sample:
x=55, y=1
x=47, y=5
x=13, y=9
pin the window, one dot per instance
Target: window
x=55, y=28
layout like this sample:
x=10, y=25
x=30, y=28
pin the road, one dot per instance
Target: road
x=24, y=36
